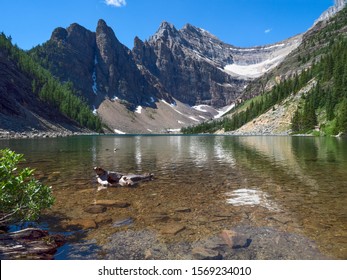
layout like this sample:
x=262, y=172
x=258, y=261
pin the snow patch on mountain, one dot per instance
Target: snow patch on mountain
x=119, y=131
x=95, y=111
x=224, y=110
x=254, y=70
x=138, y=109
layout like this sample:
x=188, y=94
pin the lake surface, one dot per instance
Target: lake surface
x=238, y=197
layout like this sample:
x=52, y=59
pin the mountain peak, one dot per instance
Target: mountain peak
x=167, y=26
x=166, y=30
x=76, y=28
x=59, y=34
x=101, y=23
x=196, y=31
x=105, y=33
x=190, y=28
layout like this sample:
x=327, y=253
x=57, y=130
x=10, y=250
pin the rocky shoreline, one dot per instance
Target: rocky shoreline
x=42, y=134
x=257, y=133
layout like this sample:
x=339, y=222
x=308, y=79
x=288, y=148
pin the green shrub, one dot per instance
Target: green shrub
x=22, y=197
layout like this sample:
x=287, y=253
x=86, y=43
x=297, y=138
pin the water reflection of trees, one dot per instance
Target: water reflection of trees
x=306, y=159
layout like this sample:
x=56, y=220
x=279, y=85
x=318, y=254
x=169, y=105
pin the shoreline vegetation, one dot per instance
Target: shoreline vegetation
x=22, y=199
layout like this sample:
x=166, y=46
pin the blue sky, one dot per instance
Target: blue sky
x=241, y=23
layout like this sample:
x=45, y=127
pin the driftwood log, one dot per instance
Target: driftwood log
x=111, y=178
x=30, y=243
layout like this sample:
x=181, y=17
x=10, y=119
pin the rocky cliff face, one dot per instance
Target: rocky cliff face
x=69, y=55
x=195, y=67
x=189, y=74
x=97, y=64
x=338, y=6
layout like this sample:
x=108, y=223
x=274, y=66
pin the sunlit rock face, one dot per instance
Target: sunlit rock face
x=195, y=67
x=97, y=64
x=339, y=5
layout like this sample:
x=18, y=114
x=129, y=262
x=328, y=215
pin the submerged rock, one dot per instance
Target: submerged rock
x=201, y=253
x=95, y=209
x=112, y=203
x=102, y=220
x=161, y=218
x=172, y=229
x=81, y=223
x=123, y=222
x=183, y=210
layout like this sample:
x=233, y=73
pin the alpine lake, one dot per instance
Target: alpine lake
x=213, y=197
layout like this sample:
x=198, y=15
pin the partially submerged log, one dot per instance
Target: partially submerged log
x=111, y=178
x=30, y=243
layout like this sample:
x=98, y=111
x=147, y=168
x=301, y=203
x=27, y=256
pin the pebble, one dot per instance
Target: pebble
x=160, y=218
x=183, y=210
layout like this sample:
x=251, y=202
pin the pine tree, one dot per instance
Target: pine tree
x=342, y=117
x=296, y=127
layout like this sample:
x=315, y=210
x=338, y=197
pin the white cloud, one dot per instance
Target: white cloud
x=116, y=3
x=267, y=30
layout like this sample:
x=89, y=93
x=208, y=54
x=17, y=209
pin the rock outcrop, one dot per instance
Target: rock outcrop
x=338, y=6
x=97, y=64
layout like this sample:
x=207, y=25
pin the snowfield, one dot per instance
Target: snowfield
x=254, y=70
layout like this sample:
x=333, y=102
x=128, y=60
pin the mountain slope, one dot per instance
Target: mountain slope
x=23, y=107
x=305, y=92
x=323, y=53
x=192, y=60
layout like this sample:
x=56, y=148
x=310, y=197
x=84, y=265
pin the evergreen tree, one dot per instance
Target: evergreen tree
x=342, y=117
x=296, y=126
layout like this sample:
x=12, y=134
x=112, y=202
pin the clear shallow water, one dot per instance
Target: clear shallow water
x=204, y=185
